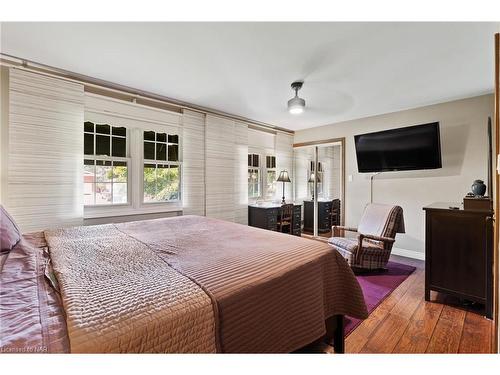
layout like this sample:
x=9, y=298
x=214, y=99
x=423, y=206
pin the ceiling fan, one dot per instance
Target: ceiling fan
x=296, y=105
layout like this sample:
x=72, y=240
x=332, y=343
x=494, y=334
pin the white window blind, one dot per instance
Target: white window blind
x=193, y=181
x=45, y=151
x=240, y=173
x=226, y=150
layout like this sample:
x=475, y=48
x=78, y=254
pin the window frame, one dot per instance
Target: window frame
x=266, y=194
x=135, y=126
x=250, y=168
x=105, y=158
x=164, y=162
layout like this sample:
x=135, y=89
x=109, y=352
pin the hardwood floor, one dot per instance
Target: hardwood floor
x=406, y=323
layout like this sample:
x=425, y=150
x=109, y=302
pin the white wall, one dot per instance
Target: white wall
x=464, y=152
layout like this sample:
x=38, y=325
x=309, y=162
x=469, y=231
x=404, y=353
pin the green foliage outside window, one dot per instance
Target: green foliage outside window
x=161, y=183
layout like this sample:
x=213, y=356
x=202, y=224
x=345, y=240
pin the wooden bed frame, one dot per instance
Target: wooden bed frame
x=335, y=332
x=334, y=337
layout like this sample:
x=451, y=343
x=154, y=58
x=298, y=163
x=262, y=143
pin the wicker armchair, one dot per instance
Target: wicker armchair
x=376, y=235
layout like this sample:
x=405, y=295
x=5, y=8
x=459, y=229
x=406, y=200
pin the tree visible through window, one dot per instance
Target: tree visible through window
x=162, y=175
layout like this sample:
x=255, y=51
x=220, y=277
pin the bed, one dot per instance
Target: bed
x=187, y=284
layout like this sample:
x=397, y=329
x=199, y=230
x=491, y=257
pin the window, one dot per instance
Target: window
x=253, y=176
x=161, y=173
x=105, y=176
x=270, y=176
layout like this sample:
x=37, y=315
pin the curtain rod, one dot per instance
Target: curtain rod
x=14, y=61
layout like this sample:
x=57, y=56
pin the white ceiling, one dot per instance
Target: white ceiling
x=351, y=70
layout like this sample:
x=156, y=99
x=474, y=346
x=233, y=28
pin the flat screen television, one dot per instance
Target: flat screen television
x=402, y=149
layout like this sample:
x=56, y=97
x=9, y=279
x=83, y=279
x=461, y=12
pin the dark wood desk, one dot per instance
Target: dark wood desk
x=266, y=217
x=459, y=253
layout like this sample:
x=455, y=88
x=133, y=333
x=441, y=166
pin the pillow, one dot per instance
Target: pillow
x=10, y=234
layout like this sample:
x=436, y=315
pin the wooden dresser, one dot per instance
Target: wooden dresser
x=459, y=253
x=266, y=217
x=325, y=217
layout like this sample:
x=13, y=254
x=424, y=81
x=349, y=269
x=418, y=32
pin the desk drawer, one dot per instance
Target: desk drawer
x=272, y=212
x=272, y=220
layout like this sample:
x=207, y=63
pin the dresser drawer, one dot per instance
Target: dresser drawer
x=272, y=216
x=272, y=212
x=271, y=221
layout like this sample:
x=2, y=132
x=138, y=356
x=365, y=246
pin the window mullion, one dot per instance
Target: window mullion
x=137, y=166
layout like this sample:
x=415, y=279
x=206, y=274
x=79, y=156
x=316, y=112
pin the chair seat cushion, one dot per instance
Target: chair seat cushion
x=372, y=255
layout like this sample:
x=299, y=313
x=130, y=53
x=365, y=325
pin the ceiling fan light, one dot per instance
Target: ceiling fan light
x=296, y=105
x=296, y=110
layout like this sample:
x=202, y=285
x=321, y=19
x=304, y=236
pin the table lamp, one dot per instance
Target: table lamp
x=283, y=177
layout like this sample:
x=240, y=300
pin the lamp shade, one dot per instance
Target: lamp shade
x=283, y=177
x=311, y=178
x=296, y=105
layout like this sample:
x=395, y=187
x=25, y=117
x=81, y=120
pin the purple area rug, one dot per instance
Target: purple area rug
x=377, y=286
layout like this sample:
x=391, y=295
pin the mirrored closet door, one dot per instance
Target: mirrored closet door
x=319, y=186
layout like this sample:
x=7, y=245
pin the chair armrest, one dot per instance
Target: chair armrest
x=376, y=238
x=361, y=237
x=337, y=229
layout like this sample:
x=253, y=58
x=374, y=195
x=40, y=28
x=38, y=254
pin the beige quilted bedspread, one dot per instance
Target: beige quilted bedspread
x=273, y=291
x=119, y=296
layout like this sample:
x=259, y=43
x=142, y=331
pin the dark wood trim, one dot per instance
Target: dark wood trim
x=428, y=260
x=324, y=142
x=496, y=264
x=343, y=202
x=319, y=143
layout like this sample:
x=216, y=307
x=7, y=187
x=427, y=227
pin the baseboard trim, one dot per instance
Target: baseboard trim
x=408, y=253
